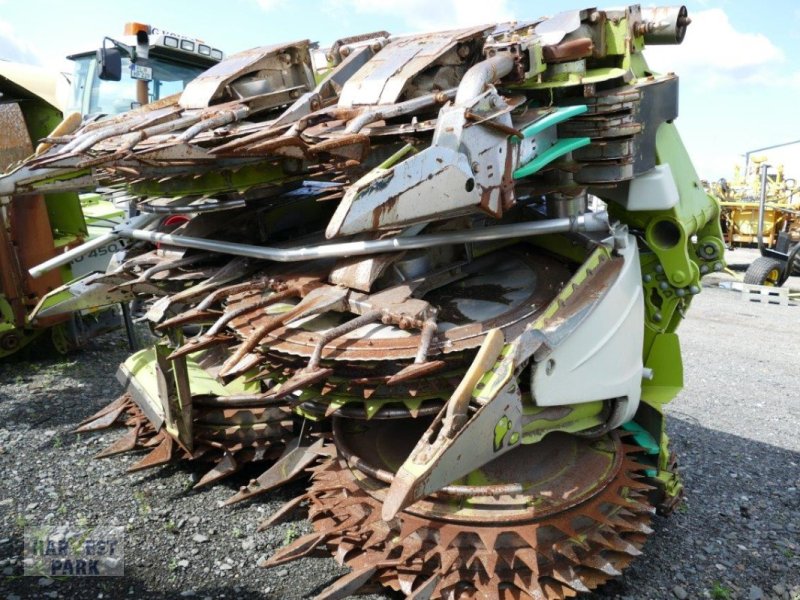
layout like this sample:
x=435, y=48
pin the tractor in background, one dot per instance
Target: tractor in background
x=147, y=64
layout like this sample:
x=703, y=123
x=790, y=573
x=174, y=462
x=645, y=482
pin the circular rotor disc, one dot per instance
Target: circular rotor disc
x=581, y=518
x=504, y=289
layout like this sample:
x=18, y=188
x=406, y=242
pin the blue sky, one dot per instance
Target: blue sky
x=739, y=65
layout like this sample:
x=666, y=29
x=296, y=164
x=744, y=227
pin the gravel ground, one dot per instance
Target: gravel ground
x=734, y=427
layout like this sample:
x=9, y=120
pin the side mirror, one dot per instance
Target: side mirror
x=110, y=63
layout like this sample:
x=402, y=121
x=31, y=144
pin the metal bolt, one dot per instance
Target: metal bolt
x=718, y=266
x=647, y=278
x=345, y=51
x=680, y=292
x=694, y=290
x=663, y=285
x=657, y=317
x=704, y=269
x=659, y=269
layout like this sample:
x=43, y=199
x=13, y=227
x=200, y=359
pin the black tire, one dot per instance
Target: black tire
x=765, y=271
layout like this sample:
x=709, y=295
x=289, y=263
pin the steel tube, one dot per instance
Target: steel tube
x=761, y=206
x=665, y=24
x=587, y=222
x=484, y=73
x=98, y=242
x=224, y=118
x=395, y=110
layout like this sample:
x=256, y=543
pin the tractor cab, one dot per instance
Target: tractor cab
x=145, y=65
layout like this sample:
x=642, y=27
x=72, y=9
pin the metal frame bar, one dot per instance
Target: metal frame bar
x=98, y=242
x=587, y=222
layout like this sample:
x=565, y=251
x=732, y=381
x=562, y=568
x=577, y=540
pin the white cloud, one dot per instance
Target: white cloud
x=424, y=15
x=716, y=52
x=16, y=49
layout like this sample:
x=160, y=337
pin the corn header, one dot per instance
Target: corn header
x=387, y=273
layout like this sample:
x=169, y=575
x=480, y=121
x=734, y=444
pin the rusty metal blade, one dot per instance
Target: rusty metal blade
x=283, y=514
x=160, y=455
x=247, y=362
x=124, y=444
x=200, y=344
x=106, y=417
x=425, y=589
x=300, y=380
x=190, y=316
x=348, y=585
x=302, y=546
x=566, y=574
x=226, y=466
x=317, y=300
x=414, y=371
x=296, y=458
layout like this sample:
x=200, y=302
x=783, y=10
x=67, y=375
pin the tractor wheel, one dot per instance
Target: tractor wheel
x=764, y=271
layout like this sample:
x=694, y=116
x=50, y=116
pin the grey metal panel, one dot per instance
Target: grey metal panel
x=385, y=77
x=200, y=92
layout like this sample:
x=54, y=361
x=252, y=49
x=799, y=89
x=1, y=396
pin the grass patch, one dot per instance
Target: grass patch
x=720, y=592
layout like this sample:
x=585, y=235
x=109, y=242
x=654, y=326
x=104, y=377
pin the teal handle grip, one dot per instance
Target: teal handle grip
x=557, y=150
x=554, y=118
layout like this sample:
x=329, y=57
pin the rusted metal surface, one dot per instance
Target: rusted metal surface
x=279, y=66
x=492, y=544
x=227, y=438
x=15, y=143
x=459, y=331
x=11, y=276
x=32, y=237
x=26, y=238
x=387, y=77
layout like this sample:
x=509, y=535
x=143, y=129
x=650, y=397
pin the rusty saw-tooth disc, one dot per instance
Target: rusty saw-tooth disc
x=499, y=290
x=227, y=438
x=582, y=515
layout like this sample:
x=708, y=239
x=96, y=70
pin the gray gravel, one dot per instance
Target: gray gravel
x=735, y=428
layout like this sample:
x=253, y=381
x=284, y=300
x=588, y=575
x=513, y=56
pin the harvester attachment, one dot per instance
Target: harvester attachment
x=474, y=367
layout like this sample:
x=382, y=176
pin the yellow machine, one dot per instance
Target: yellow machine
x=739, y=200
